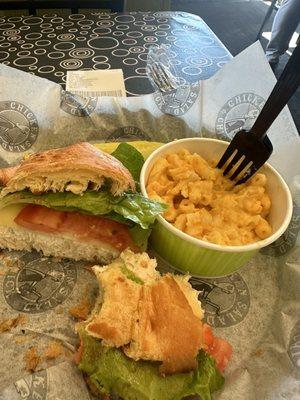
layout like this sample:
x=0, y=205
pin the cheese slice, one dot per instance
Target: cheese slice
x=9, y=213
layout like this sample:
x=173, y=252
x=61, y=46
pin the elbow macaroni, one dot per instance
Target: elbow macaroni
x=205, y=204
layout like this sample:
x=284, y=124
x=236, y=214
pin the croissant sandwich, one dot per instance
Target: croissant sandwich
x=75, y=202
x=146, y=338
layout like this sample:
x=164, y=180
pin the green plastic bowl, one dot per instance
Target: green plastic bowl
x=201, y=258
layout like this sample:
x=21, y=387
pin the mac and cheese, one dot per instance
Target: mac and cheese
x=205, y=204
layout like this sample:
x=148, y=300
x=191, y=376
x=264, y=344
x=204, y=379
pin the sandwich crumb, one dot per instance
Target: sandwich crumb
x=32, y=359
x=10, y=323
x=89, y=267
x=13, y=263
x=19, y=339
x=81, y=310
x=53, y=350
x=258, y=352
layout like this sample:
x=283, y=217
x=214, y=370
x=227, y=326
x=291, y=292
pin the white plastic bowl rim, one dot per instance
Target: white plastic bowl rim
x=212, y=246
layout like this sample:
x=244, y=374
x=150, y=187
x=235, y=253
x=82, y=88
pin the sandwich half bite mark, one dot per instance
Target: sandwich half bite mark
x=146, y=338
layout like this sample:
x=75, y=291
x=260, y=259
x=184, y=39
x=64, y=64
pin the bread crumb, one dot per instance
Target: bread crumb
x=82, y=310
x=2, y=272
x=20, y=339
x=53, y=350
x=59, y=310
x=89, y=267
x=9, y=323
x=14, y=264
x=68, y=353
x=32, y=359
x=258, y=352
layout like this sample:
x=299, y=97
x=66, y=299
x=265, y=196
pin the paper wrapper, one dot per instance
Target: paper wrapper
x=256, y=309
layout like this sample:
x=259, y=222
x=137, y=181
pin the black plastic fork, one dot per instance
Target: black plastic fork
x=249, y=150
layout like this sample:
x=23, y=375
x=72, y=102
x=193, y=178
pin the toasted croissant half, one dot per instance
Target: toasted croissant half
x=74, y=168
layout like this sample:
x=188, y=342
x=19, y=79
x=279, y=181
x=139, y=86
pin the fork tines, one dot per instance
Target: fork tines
x=244, y=156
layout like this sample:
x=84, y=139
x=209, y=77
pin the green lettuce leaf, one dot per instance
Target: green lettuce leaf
x=130, y=275
x=130, y=206
x=131, y=158
x=111, y=371
x=140, y=236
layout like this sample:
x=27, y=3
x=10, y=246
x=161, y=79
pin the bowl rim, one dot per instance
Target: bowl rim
x=213, y=246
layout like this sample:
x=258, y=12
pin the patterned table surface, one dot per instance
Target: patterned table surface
x=51, y=45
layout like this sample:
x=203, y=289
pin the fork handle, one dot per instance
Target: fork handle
x=285, y=87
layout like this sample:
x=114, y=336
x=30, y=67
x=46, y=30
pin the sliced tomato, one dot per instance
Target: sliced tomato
x=221, y=351
x=85, y=227
x=40, y=218
x=208, y=335
x=218, y=348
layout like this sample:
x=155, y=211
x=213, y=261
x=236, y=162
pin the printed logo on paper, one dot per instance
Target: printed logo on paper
x=238, y=112
x=179, y=101
x=287, y=241
x=39, y=284
x=226, y=300
x=77, y=105
x=294, y=346
x=128, y=132
x=33, y=387
x=19, y=127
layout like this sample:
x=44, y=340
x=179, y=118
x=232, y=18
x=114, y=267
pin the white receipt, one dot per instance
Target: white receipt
x=96, y=83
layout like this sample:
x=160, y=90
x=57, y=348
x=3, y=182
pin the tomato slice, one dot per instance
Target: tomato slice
x=85, y=227
x=37, y=218
x=218, y=348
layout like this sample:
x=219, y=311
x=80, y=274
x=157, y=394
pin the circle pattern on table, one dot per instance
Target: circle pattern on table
x=81, y=53
x=130, y=61
x=64, y=46
x=102, y=31
x=49, y=45
x=120, y=52
x=100, y=59
x=103, y=43
x=25, y=61
x=66, y=36
x=101, y=66
x=33, y=36
x=46, y=69
x=71, y=63
x=125, y=18
x=32, y=21
x=55, y=55
x=129, y=42
x=3, y=55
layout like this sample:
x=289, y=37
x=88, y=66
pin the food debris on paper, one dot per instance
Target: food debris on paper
x=10, y=323
x=32, y=359
x=19, y=339
x=82, y=309
x=13, y=263
x=258, y=352
x=53, y=350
